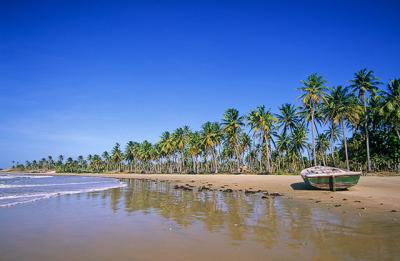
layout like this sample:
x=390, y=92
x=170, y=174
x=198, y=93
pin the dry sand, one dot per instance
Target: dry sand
x=371, y=194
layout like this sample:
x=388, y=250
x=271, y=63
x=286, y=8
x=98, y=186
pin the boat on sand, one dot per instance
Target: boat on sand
x=330, y=178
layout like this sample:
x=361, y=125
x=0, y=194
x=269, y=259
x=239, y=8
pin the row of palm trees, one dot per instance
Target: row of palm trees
x=264, y=142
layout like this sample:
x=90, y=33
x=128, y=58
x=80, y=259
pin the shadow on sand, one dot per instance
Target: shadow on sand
x=304, y=186
x=301, y=186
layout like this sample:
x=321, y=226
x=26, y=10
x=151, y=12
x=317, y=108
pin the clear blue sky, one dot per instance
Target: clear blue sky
x=77, y=77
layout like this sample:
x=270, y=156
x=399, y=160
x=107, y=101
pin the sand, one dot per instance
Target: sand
x=372, y=194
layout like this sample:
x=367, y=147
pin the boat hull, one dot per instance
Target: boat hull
x=333, y=183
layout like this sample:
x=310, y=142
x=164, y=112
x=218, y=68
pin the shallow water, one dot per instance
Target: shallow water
x=20, y=189
x=153, y=221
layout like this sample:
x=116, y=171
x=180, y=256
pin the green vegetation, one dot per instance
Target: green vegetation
x=264, y=142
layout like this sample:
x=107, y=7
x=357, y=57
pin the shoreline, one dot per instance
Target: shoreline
x=373, y=194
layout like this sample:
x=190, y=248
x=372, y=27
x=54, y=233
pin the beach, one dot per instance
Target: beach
x=373, y=194
x=166, y=217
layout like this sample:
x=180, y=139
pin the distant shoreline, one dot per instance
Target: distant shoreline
x=373, y=194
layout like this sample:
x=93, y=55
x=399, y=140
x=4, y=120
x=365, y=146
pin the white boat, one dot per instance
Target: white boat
x=330, y=178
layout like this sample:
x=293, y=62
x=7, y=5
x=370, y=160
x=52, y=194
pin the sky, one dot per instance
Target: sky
x=78, y=76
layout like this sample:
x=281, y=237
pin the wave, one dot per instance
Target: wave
x=40, y=196
x=48, y=185
x=24, y=176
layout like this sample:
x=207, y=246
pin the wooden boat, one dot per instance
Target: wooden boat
x=330, y=178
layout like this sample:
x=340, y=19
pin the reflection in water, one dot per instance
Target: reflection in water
x=272, y=223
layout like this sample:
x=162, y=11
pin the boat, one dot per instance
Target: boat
x=330, y=178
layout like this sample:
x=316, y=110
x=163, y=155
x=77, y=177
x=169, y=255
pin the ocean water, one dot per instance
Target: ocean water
x=20, y=189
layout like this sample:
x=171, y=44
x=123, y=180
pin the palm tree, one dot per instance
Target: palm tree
x=391, y=107
x=96, y=163
x=244, y=143
x=288, y=118
x=130, y=154
x=364, y=83
x=262, y=122
x=178, y=138
x=69, y=163
x=60, y=159
x=167, y=148
x=313, y=94
x=50, y=162
x=322, y=146
x=145, y=153
x=232, y=127
x=195, y=145
x=81, y=161
x=211, y=136
x=117, y=156
x=298, y=141
x=282, y=146
x=107, y=159
x=333, y=135
x=341, y=108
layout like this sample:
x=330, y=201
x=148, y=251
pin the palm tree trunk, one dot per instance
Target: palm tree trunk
x=215, y=161
x=332, y=149
x=268, y=158
x=366, y=133
x=312, y=137
x=194, y=164
x=345, y=145
x=333, y=154
x=237, y=155
x=262, y=154
x=182, y=161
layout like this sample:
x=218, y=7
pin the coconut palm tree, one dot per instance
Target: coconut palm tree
x=244, y=144
x=194, y=150
x=117, y=156
x=232, y=124
x=167, y=148
x=322, y=146
x=391, y=105
x=60, y=159
x=365, y=82
x=50, y=162
x=298, y=141
x=69, y=164
x=211, y=137
x=146, y=154
x=313, y=94
x=282, y=146
x=186, y=135
x=130, y=155
x=262, y=122
x=178, y=139
x=96, y=163
x=81, y=162
x=107, y=159
x=333, y=135
x=341, y=108
x=288, y=118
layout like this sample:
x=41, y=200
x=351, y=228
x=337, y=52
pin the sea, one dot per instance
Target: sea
x=23, y=189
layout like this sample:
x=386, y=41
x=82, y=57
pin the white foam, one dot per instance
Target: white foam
x=49, y=185
x=53, y=194
x=24, y=176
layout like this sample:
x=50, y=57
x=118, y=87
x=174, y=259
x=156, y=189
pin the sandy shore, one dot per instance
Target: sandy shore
x=372, y=194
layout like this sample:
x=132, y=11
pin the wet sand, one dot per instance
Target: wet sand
x=372, y=194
